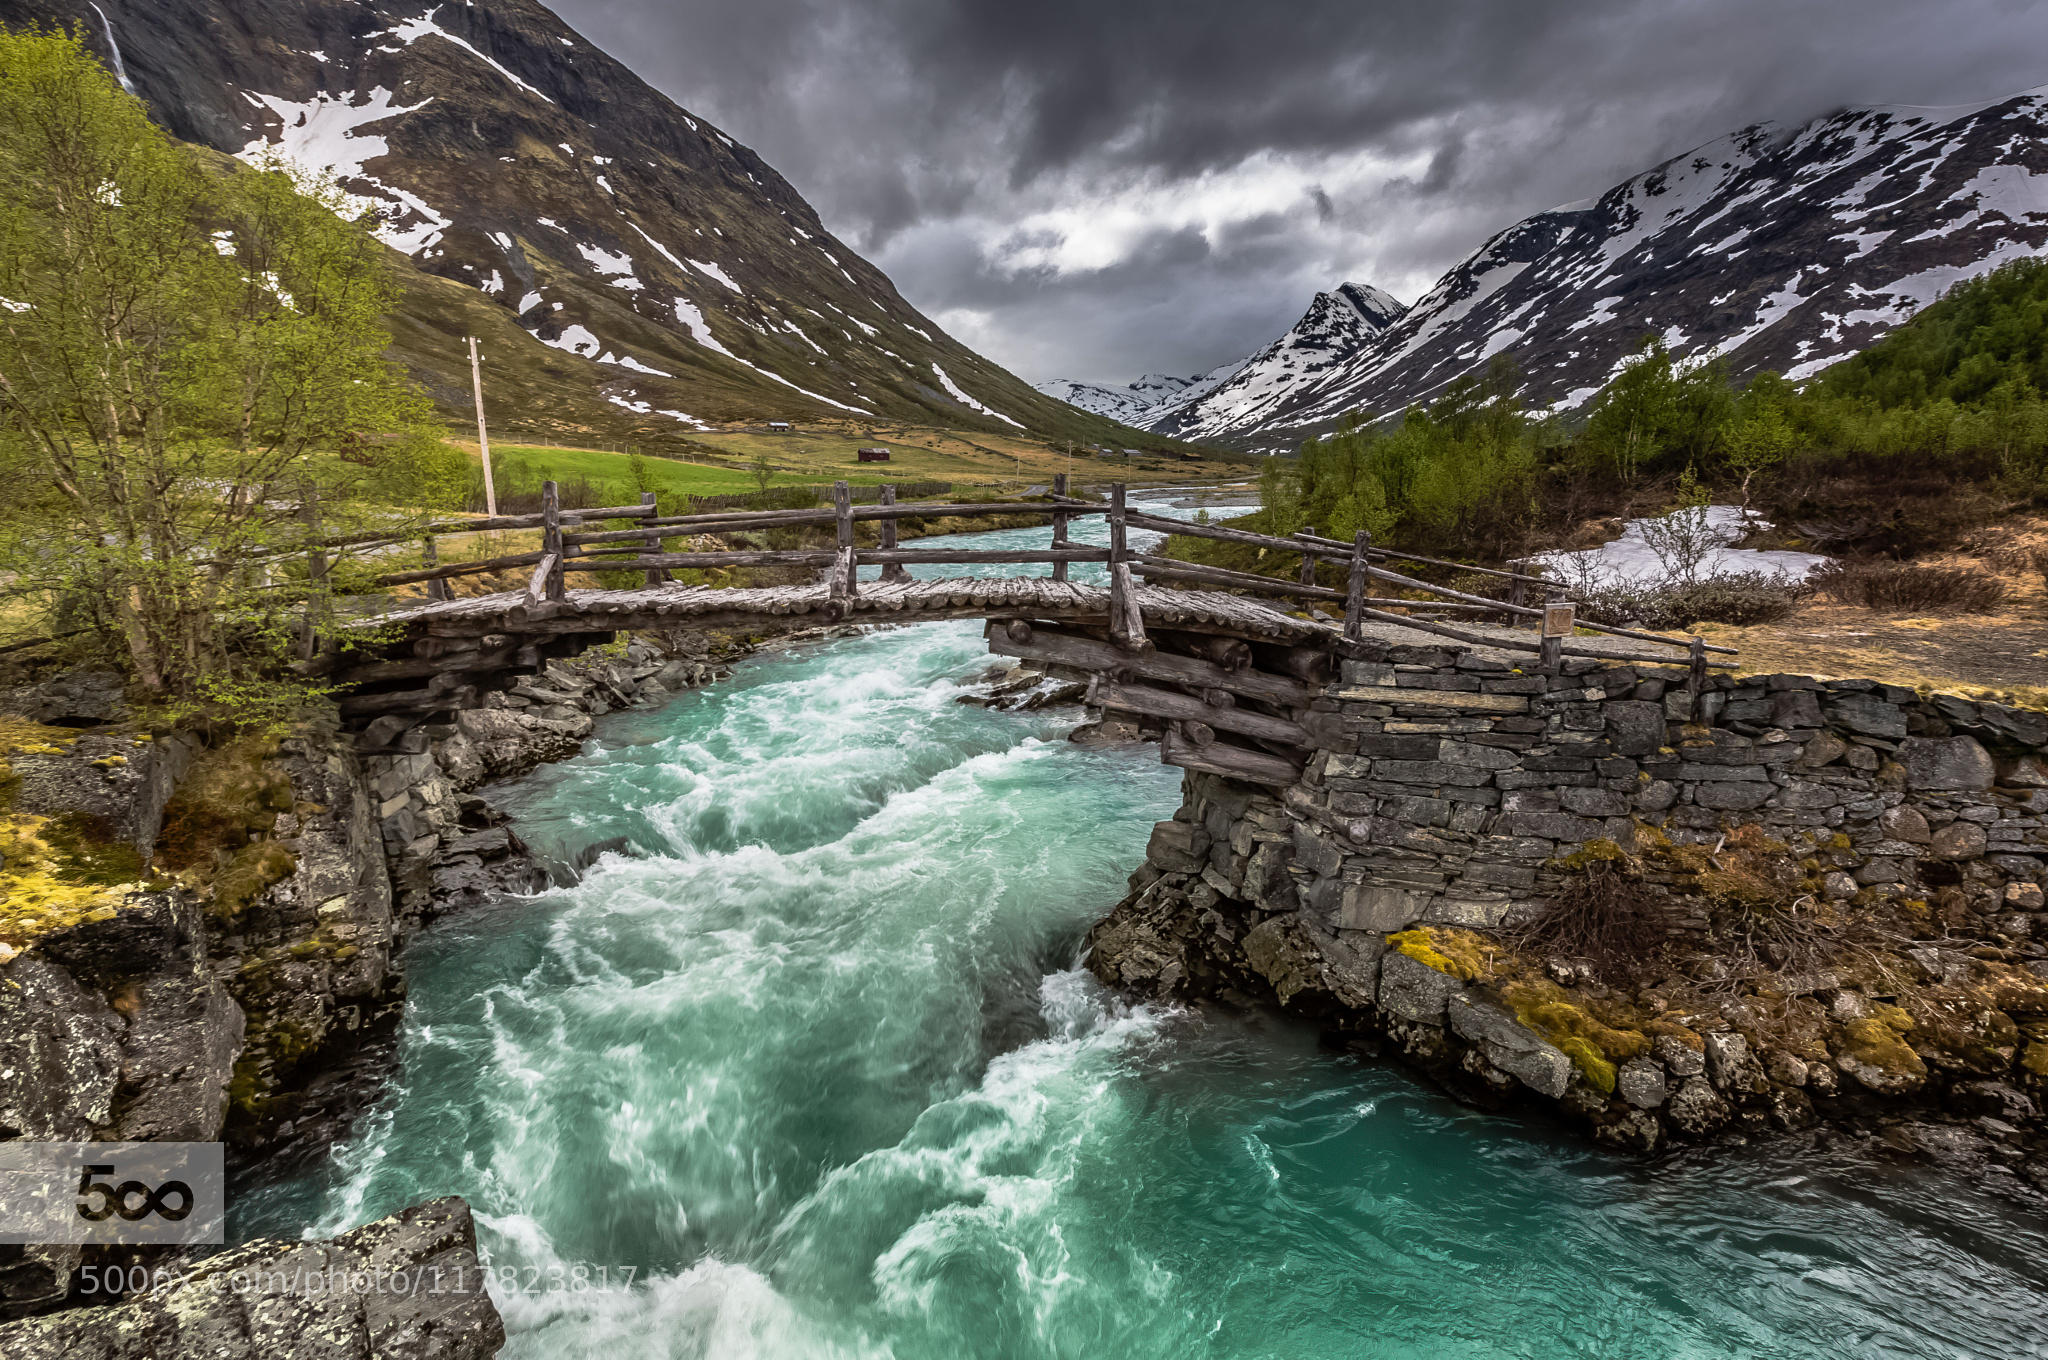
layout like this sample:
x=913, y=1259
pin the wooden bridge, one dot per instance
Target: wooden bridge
x=1204, y=650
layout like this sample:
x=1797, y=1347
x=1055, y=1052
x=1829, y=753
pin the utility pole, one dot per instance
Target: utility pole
x=483, y=438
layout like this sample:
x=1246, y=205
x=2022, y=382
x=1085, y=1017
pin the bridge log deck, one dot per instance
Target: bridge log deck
x=592, y=611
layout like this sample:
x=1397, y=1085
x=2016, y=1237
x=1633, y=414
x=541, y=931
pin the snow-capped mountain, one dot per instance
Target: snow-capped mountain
x=652, y=262
x=1136, y=402
x=1335, y=327
x=1776, y=247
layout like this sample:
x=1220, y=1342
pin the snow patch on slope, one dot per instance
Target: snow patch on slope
x=319, y=143
x=412, y=30
x=953, y=390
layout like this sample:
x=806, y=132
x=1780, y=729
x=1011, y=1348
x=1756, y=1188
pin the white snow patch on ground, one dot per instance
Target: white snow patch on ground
x=606, y=261
x=777, y=377
x=530, y=301
x=666, y=253
x=648, y=408
x=319, y=141
x=579, y=341
x=692, y=321
x=715, y=272
x=412, y=30
x=953, y=390
x=1631, y=560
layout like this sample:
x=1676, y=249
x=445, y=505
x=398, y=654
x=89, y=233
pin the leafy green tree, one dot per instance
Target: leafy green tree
x=1626, y=426
x=179, y=343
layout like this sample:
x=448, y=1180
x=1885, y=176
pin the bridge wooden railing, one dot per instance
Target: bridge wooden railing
x=568, y=546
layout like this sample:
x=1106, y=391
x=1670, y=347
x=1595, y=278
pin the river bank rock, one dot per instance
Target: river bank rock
x=246, y=985
x=406, y=1286
x=1837, y=887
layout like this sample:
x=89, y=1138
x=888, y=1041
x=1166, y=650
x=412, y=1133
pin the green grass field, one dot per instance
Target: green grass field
x=818, y=454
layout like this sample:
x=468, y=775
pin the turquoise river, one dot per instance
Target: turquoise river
x=812, y=1071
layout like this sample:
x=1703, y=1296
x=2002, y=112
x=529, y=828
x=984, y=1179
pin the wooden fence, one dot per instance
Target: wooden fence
x=575, y=542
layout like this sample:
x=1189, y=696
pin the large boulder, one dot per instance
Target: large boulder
x=1946, y=763
x=407, y=1287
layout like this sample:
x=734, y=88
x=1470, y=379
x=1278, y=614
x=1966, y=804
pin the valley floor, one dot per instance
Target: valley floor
x=2004, y=652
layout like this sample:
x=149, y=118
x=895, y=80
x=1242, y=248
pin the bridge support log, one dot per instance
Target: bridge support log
x=1227, y=759
x=1361, y=578
x=1104, y=692
x=1091, y=654
x=844, y=583
x=1126, y=619
x=651, y=545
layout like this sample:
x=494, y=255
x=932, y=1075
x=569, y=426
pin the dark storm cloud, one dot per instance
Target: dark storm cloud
x=1096, y=188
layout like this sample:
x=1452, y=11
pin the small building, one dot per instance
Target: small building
x=1130, y=453
x=781, y=427
x=875, y=455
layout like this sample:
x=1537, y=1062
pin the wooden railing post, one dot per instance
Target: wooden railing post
x=844, y=569
x=891, y=571
x=1059, y=525
x=1361, y=578
x=437, y=588
x=1698, y=679
x=1514, y=598
x=1126, y=619
x=556, y=586
x=1308, y=559
x=651, y=545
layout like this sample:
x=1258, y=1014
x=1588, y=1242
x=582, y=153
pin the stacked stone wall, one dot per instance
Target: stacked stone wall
x=1450, y=797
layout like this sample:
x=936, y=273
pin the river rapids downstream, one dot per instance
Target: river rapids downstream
x=811, y=1069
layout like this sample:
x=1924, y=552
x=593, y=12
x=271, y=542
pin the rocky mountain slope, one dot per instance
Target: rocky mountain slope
x=1336, y=326
x=1137, y=403
x=631, y=258
x=1775, y=247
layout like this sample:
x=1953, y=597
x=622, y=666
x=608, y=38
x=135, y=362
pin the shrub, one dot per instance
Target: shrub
x=1739, y=598
x=1605, y=914
x=1906, y=589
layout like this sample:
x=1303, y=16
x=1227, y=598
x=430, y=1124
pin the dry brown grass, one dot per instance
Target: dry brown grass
x=1895, y=587
x=2001, y=655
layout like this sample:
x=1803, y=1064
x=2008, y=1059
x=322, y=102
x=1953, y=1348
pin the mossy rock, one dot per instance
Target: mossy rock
x=1872, y=1052
x=1463, y=954
x=59, y=874
x=254, y=868
x=233, y=792
x=1583, y=1028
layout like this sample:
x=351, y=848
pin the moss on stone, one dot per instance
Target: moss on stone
x=1599, y=850
x=1463, y=954
x=254, y=868
x=232, y=793
x=59, y=874
x=2035, y=1058
x=1872, y=1043
x=1589, y=1033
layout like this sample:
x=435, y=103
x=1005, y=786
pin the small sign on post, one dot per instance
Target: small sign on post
x=1559, y=618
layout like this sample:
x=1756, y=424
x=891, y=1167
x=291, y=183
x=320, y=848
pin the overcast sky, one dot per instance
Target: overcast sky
x=1102, y=188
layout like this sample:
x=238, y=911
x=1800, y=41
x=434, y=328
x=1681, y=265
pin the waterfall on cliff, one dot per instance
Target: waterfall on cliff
x=114, y=49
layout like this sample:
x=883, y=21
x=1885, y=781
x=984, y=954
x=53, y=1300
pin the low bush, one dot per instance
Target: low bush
x=1739, y=598
x=1897, y=588
x=1605, y=914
